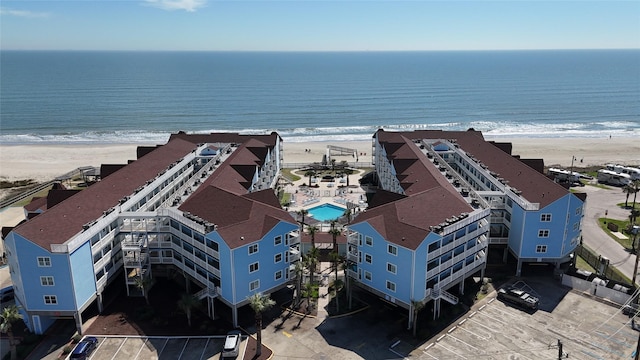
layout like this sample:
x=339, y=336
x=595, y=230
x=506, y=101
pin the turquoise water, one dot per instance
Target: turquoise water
x=326, y=212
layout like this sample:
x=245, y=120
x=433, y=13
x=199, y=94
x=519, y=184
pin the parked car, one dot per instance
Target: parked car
x=631, y=309
x=231, y=344
x=518, y=297
x=84, y=348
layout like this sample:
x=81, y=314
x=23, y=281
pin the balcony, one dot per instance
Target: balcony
x=294, y=254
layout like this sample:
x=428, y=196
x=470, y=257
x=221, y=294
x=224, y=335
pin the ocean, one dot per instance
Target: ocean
x=67, y=97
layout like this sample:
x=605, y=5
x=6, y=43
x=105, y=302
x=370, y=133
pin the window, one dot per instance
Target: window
x=44, y=261
x=253, y=267
x=544, y=233
x=545, y=217
x=253, y=249
x=391, y=268
x=392, y=250
x=368, y=240
x=367, y=258
x=51, y=300
x=278, y=275
x=46, y=280
x=367, y=275
x=277, y=258
x=541, y=249
x=391, y=286
x=277, y=240
x=576, y=226
x=254, y=285
x=578, y=210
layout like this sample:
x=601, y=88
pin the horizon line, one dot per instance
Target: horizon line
x=316, y=51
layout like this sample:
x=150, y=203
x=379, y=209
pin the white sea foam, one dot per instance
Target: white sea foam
x=306, y=134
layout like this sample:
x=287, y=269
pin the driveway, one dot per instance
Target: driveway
x=599, y=201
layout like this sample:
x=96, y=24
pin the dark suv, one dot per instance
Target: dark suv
x=84, y=348
x=518, y=297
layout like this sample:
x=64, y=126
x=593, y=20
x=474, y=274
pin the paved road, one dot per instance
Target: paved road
x=600, y=200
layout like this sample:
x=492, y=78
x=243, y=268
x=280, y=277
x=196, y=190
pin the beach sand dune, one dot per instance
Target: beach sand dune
x=45, y=162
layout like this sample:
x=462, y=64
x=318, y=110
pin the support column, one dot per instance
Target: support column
x=78, y=318
x=519, y=268
x=461, y=286
x=505, y=255
x=100, y=304
x=234, y=315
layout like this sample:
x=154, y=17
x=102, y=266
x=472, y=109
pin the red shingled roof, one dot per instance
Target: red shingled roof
x=430, y=199
x=535, y=187
x=63, y=221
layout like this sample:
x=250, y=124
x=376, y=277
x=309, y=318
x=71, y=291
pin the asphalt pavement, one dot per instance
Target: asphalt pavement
x=600, y=201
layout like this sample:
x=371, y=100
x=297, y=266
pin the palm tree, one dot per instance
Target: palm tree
x=312, y=231
x=628, y=189
x=310, y=173
x=260, y=303
x=187, y=303
x=10, y=315
x=636, y=188
x=336, y=259
x=311, y=261
x=309, y=291
x=302, y=213
x=299, y=271
x=144, y=284
x=347, y=213
x=334, y=231
x=347, y=172
x=417, y=306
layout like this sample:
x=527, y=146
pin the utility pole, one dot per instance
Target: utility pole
x=637, y=356
x=561, y=354
x=635, y=268
x=560, y=347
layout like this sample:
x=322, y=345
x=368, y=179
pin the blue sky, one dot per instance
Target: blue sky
x=317, y=25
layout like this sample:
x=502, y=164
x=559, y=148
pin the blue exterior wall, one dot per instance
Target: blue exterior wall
x=404, y=262
x=516, y=232
x=27, y=254
x=81, y=266
x=563, y=217
x=265, y=259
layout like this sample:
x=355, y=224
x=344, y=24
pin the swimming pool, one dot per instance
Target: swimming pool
x=326, y=212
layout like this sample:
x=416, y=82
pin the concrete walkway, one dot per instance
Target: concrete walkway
x=599, y=201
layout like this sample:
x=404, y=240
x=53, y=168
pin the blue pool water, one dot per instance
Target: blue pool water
x=326, y=212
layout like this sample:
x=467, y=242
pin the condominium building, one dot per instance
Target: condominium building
x=201, y=204
x=445, y=198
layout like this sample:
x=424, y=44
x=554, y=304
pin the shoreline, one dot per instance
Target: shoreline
x=43, y=162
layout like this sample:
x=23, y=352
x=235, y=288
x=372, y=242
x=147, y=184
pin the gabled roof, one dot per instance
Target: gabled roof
x=63, y=221
x=535, y=186
x=428, y=201
x=407, y=221
x=240, y=219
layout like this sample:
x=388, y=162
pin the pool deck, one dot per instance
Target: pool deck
x=336, y=193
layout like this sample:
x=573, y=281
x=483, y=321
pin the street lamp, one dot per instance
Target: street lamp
x=571, y=172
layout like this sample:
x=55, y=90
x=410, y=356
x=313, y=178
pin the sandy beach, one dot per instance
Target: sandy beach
x=45, y=162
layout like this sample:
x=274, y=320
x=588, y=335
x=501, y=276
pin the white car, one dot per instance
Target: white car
x=231, y=344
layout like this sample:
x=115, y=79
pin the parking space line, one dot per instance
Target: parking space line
x=118, y=350
x=144, y=343
x=204, y=348
x=451, y=351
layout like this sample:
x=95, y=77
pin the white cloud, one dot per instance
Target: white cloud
x=22, y=13
x=187, y=5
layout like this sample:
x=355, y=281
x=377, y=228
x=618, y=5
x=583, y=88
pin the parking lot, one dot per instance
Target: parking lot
x=586, y=328
x=147, y=348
